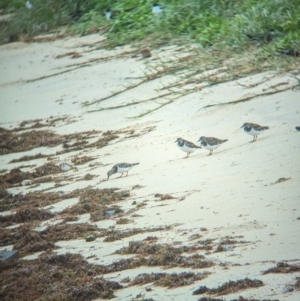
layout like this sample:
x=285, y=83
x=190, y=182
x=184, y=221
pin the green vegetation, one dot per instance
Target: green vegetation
x=220, y=23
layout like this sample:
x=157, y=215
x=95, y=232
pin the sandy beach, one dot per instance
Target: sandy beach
x=239, y=208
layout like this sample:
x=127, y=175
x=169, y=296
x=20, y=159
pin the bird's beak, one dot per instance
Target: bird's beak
x=175, y=141
x=241, y=126
x=107, y=178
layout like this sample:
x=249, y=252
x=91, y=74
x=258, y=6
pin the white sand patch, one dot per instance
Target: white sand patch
x=229, y=194
x=60, y=206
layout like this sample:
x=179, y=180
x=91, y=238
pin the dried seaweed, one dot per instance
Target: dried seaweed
x=28, y=158
x=164, y=197
x=86, y=195
x=68, y=277
x=81, y=160
x=33, y=199
x=16, y=176
x=59, y=232
x=240, y=298
x=297, y=284
x=113, y=235
x=144, y=248
x=96, y=202
x=284, y=268
x=230, y=287
x=11, y=142
x=168, y=280
x=195, y=261
x=27, y=241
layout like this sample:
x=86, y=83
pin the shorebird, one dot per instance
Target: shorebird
x=121, y=168
x=210, y=143
x=253, y=129
x=186, y=146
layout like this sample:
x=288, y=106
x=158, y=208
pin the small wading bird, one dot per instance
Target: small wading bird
x=186, y=146
x=253, y=129
x=210, y=143
x=121, y=168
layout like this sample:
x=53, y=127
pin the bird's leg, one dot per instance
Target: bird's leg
x=187, y=155
x=210, y=153
x=127, y=173
x=121, y=175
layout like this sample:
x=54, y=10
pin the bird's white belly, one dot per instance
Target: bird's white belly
x=187, y=149
x=123, y=169
x=210, y=147
x=254, y=132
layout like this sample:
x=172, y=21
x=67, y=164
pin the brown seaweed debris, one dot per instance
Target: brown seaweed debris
x=240, y=298
x=123, y=221
x=81, y=160
x=13, y=177
x=160, y=255
x=144, y=248
x=3, y=191
x=58, y=232
x=210, y=299
x=95, y=202
x=164, y=197
x=68, y=277
x=283, y=267
x=225, y=243
x=167, y=260
x=168, y=280
x=229, y=287
x=88, y=177
x=32, y=242
x=297, y=284
x=113, y=235
x=27, y=240
x=33, y=199
x=86, y=195
x=12, y=142
x=28, y=158
x=36, y=123
x=27, y=213
x=280, y=180
x=16, y=176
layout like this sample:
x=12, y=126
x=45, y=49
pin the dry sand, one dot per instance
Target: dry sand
x=231, y=193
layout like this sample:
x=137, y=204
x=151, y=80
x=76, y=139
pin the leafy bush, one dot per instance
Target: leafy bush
x=234, y=23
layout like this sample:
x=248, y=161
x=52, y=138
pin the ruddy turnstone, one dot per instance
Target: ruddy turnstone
x=253, y=129
x=121, y=168
x=186, y=146
x=297, y=128
x=210, y=143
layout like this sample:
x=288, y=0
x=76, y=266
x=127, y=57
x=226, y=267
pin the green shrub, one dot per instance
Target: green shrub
x=234, y=23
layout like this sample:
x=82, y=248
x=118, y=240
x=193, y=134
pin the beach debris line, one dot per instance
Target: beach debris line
x=280, y=180
x=67, y=275
x=229, y=287
x=284, y=268
x=172, y=280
